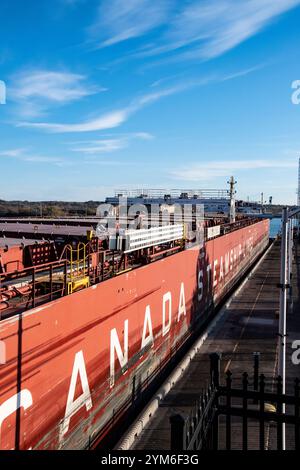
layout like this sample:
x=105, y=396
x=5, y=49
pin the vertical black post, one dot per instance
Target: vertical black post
x=65, y=277
x=215, y=360
x=228, y=410
x=102, y=266
x=261, y=412
x=215, y=367
x=51, y=281
x=296, y=391
x=279, y=413
x=245, y=405
x=33, y=288
x=256, y=357
x=178, y=432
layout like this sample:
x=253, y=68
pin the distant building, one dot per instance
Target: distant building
x=213, y=200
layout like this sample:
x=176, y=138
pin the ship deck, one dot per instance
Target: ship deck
x=57, y=258
x=9, y=242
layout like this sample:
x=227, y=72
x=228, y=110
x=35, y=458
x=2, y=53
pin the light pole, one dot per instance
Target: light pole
x=285, y=278
x=283, y=307
x=290, y=248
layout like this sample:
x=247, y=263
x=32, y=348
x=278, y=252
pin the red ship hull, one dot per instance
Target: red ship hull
x=72, y=363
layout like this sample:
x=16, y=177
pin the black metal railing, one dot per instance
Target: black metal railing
x=222, y=407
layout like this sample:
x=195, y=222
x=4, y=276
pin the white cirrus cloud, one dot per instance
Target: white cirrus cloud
x=210, y=170
x=106, y=121
x=35, y=91
x=217, y=26
x=109, y=144
x=120, y=20
x=101, y=146
x=203, y=29
x=115, y=118
x=13, y=153
x=26, y=155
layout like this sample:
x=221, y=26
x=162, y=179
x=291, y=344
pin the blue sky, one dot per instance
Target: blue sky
x=148, y=93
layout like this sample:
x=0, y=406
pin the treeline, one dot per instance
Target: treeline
x=66, y=209
x=47, y=208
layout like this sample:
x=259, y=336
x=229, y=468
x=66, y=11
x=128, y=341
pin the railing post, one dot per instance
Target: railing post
x=215, y=368
x=228, y=410
x=33, y=287
x=261, y=413
x=245, y=406
x=65, y=276
x=256, y=358
x=51, y=281
x=178, y=432
x=215, y=362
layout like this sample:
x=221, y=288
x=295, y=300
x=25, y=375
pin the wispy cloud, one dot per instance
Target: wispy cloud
x=14, y=153
x=35, y=91
x=108, y=145
x=26, y=155
x=215, y=27
x=200, y=29
x=119, y=20
x=101, y=146
x=115, y=118
x=106, y=121
x=208, y=171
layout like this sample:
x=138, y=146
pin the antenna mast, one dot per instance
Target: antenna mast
x=232, y=193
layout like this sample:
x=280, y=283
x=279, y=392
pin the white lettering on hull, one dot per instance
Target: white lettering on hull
x=226, y=263
x=215, y=280
x=85, y=399
x=122, y=356
x=221, y=275
x=181, y=307
x=147, y=339
x=167, y=300
x=22, y=399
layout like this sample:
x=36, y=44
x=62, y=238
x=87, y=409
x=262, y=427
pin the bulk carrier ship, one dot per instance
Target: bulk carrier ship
x=88, y=322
